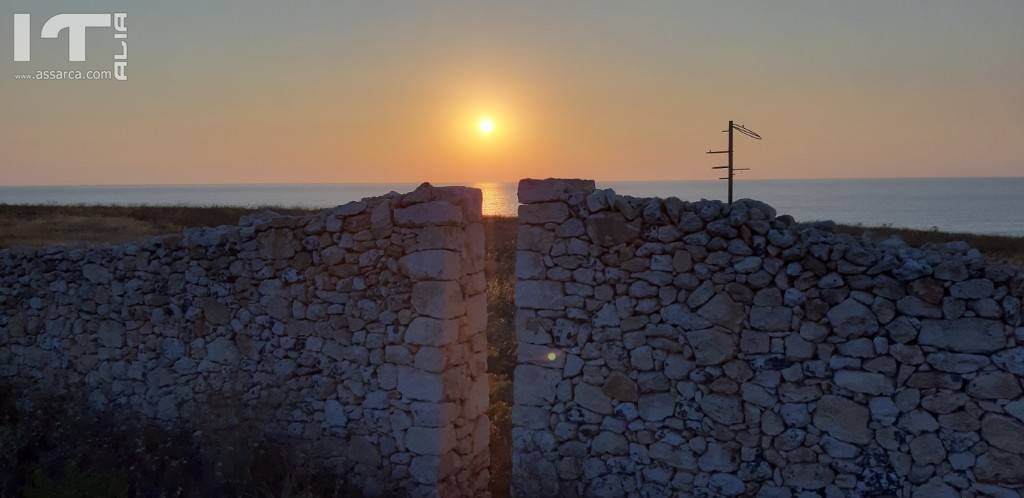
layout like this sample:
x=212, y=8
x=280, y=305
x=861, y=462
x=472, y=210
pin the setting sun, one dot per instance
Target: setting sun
x=485, y=126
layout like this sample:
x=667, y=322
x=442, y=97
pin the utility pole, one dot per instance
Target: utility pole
x=731, y=174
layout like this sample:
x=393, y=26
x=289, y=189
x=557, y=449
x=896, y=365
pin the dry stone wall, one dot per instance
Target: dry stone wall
x=672, y=348
x=355, y=335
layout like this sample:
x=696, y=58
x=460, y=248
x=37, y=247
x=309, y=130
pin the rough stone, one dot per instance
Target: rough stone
x=534, y=385
x=723, y=311
x=607, y=442
x=655, y=407
x=935, y=488
x=722, y=409
x=620, y=387
x=844, y=419
x=1011, y=360
x=726, y=484
x=770, y=318
x=711, y=347
x=431, y=265
x=429, y=213
x=611, y=229
x=957, y=362
x=437, y=299
x=995, y=385
x=852, y=319
x=428, y=331
x=539, y=294
x=864, y=382
x=534, y=191
x=927, y=449
x=546, y=212
x=111, y=334
x=966, y=335
x=807, y=475
x=1004, y=433
x=999, y=467
x=972, y=289
x=592, y=398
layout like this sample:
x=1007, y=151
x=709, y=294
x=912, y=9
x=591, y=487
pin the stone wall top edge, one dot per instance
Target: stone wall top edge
x=533, y=191
x=650, y=213
x=468, y=199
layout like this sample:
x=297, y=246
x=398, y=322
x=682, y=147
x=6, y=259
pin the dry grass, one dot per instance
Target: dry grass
x=53, y=449
x=42, y=225
x=500, y=266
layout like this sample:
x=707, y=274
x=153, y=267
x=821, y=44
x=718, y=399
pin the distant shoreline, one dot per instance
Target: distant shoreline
x=967, y=205
x=599, y=181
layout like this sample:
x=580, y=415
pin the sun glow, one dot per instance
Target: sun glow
x=485, y=126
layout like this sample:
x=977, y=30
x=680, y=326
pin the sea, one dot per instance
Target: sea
x=974, y=205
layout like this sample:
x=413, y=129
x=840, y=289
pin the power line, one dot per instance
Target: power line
x=732, y=170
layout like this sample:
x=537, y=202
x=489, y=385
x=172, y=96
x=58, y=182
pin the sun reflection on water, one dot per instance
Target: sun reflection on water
x=498, y=198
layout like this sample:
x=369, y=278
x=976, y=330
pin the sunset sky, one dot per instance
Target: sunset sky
x=264, y=92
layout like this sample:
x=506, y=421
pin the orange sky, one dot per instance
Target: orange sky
x=251, y=92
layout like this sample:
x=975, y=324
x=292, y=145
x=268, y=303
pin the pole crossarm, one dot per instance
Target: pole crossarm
x=731, y=167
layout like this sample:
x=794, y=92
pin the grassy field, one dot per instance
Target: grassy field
x=45, y=225
x=24, y=225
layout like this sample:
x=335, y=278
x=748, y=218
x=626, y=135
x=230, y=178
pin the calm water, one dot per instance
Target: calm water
x=978, y=205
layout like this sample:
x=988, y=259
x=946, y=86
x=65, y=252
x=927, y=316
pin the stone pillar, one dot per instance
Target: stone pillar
x=541, y=302
x=446, y=381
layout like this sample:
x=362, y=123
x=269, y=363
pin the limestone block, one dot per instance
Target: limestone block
x=656, y=407
x=416, y=384
x=429, y=213
x=438, y=299
x=722, y=310
x=533, y=385
x=276, y=244
x=430, y=440
x=711, y=347
x=545, y=212
x=592, y=398
x=610, y=229
x=852, y=319
x=530, y=265
x=432, y=332
x=431, y=265
x=844, y=419
x=722, y=408
x=540, y=294
x=96, y=274
x=534, y=191
x=966, y=335
x=111, y=334
x=864, y=382
x=540, y=355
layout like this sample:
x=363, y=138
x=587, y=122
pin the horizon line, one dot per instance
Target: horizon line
x=445, y=183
